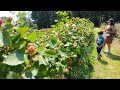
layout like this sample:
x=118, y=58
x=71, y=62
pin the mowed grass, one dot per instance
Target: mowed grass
x=109, y=65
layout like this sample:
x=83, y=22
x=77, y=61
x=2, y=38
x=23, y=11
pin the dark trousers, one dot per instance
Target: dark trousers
x=99, y=50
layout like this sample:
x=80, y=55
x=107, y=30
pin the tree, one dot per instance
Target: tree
x=44, y=19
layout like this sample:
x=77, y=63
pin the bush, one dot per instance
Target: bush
x=117, y=26
x=63, y=53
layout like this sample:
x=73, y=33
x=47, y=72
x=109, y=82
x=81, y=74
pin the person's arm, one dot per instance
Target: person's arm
x=102, y=43
x=113, y=30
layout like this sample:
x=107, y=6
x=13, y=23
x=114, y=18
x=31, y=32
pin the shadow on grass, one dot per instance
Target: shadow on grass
x=113, y=56
x=103, y=62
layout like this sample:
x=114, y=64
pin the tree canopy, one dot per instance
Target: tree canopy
x=44, y=19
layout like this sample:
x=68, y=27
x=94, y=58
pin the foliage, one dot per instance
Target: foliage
x=45, y=18
x=117, y=26
x=65, y=52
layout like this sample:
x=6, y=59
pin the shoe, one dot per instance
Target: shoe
x=107, y=51
x=103, y=50
x=98, y=58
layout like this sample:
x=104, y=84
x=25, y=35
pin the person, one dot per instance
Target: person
x=100, y=42
x=109, y=33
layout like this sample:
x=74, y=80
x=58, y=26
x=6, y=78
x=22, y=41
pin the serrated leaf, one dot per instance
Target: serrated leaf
x=22, y=30
x=51, y=56
x=52, y=72
x=67, y=44
x=12, y=75
x=18, y=69
x=7, y=41
x=7, y=26
x=2, y=66
x=34, y=73
x=52, y=52
x=42, y=48
x=15, y=59
x=26, y=24
x=42, y=71
x=76, y=50
x=20, y=20
x=20, y=41
x=1, y=40
x=16, y=38
x=28, y=74
x=41, y=59
x=39, y=34
x=22, y=45
x=6, y=38
x=32, y=37
x=74, y=69
x=53, y=42
x=62, y=54
x=23, y=14
x=86, y=76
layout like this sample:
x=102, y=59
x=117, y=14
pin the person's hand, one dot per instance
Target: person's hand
x=107, y=31
x=98, y=46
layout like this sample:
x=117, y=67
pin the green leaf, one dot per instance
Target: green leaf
x=2, y=66
x=67, y=44
x=7, y=41
x=16, y=38
x=22, y=30
x=5, y=33
x=6, y=38
x=28, y=74
x=52, y=72
x=39, y=34
x=41, y=59
x=63, y=54
x=42, y=48
x=18, y=68
x=51, y=56
x=53, y=42
x=12, y=75
x=3, y=74
x=20, y=20
x=42, y=72
x=15, y=59
x=53, y=26
x=34, y=73
x=8, y=26
x=23, y=45
x=74, y=69
x=76, y=50
x=23, y=14
x=52, y=52
x=20, y=41
x=32, y=37
x=86, y=76
x=1, y=40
